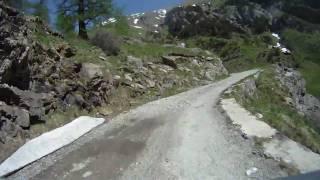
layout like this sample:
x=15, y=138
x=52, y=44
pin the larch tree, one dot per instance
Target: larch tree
x=82, y=13
x=41, y=10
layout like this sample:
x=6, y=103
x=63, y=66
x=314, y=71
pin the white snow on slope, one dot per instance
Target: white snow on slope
x=138, y=27
x=280, y=46
x=109, y=21
x=276, y=36
x=135, y=21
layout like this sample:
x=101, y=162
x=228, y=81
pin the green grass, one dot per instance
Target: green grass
x=269, y=101
x=85, y=51
x=46, y=40
x=311, y=73
x=305, y=48
x=239, y=53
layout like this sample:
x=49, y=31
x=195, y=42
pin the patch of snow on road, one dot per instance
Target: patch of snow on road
x=48, y=143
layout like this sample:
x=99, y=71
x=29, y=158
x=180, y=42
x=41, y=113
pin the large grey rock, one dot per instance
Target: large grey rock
x=249, y=87
x=305, y=103
x=89, y=70
x=135, y=62
x=170, y=61
x=35, y=103
x=13, y=119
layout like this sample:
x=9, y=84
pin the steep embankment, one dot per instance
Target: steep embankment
x=36, y=80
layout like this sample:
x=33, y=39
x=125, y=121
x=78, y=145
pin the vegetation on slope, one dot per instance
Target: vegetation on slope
x=276, y=112
x=305, y=48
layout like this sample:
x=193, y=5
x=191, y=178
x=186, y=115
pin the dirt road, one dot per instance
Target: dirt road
x=180, y=137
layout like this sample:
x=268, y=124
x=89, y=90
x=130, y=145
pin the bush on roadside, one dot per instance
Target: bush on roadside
x=109, y=43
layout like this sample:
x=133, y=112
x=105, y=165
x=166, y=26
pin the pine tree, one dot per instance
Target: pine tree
x=83, y=13
x=40, y=9
x=18, y=4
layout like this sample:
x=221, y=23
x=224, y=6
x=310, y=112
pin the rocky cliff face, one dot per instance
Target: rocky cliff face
x=199, y=20
x=35, y=80
x=251, y=16
x=305, y=103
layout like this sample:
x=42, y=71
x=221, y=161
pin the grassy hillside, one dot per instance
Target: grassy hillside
x=305, y=48
x=276, y=112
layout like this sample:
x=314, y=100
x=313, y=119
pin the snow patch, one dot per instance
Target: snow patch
x=276, y=36
x=137, y=15
x=162, y=13
x=109, y=21
x=285, y=51
x=279, y=46
x=138, y=27
x=135, y=21
x=48, y=143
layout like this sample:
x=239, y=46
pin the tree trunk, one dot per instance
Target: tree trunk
x=82, y=25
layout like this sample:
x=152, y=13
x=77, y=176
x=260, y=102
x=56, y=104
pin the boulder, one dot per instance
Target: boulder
x=170, y=61
x=150, y=83
x=35, y=103
x=128, y=77
x=12, y=121
x=89, y=70
x=135, y=62
x=66, y=50
x=249, y=87
x=20, y=116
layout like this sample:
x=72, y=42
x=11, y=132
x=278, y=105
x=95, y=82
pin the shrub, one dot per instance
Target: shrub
x=109, y=43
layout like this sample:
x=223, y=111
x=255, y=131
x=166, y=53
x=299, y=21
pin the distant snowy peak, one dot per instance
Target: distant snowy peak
x=109, y=21
x=161, y=13
x=150, y=21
